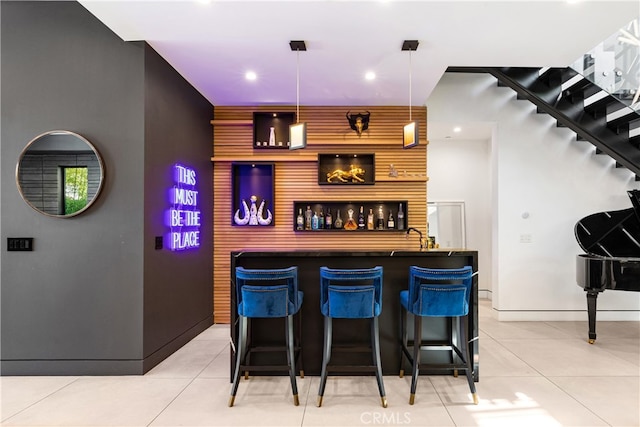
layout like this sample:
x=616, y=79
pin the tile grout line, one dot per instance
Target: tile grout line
x=38, y=401
x=575, y=399
x=186, y=385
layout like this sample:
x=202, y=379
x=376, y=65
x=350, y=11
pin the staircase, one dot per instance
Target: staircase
x=578, y=104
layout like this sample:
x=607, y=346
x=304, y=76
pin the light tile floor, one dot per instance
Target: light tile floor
x=531, y=374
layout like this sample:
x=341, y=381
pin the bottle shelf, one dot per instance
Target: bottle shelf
x=345, y=216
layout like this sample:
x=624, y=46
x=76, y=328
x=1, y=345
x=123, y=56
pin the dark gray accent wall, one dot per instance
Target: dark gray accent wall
x=178, y=291
x=85, y=301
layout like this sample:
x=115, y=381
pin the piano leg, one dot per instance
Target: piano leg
x=591, y=309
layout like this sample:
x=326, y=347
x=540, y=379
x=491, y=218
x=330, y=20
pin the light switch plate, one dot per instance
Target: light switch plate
x=20, y=244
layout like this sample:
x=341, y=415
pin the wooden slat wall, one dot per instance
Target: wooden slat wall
x=296, y=179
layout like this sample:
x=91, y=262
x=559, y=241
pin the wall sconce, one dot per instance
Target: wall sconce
x=297, y=131
x=411, y=131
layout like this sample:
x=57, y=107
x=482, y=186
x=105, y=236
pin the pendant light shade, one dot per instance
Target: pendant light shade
x=411, y=131
x=297, y=131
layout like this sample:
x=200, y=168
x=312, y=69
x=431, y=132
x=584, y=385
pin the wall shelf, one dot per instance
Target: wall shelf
x=403, y=179
x=355, y=141
x=293, y=157
x=232, y=122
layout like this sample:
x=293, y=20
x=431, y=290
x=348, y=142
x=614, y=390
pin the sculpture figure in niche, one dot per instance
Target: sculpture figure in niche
x=353, y=175
x=253, y=215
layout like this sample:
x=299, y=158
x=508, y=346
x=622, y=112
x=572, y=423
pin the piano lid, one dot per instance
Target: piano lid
x=614, y=233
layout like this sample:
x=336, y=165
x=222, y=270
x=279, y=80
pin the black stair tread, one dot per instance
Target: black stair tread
x=624, y=120
x=600, y=106
x=579, y=88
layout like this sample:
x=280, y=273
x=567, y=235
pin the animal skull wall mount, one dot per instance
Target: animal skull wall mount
x=359, y=122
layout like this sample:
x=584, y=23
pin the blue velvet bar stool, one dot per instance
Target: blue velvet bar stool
x=266, y=293
x=437, y=293
x=351, y=294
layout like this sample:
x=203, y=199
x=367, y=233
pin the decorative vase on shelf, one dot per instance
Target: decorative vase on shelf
x=272, y=136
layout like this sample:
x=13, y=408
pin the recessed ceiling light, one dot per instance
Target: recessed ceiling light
x=250, y=75
x=457, y=129
x=370, y=75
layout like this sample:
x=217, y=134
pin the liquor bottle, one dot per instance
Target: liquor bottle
x=307, y=218
x=351, y=223
x=400, y=217
x=321, y=219
x=300, y=220
x=380, y=225
x=328, y=220
x=361, y=223
x=314, y=221
x=391, y=223
x=338, y=223
x=370, y=220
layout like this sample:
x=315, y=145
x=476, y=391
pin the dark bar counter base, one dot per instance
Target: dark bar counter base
x=269, y=332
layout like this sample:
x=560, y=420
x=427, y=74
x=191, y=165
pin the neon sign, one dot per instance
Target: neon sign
x=184, y=216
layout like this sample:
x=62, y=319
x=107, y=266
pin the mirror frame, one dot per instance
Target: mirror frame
x=93, y=149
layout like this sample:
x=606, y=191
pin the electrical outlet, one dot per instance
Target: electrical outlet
x=525, y=238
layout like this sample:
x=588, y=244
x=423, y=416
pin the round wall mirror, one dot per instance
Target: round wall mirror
x=59, y=174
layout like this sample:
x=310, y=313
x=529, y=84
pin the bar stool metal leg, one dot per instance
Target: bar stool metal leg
x=375, y=343
x=403, y=339
x=299, y=344
x=326, y=357
x=241, y=351
x=464, y=348
x=291, y=360
x=247, y=343
x=417, y=343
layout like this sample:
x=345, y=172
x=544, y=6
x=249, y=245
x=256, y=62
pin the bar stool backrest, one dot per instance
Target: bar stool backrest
x=267, y=292
x=439, y=292
x=351, y=293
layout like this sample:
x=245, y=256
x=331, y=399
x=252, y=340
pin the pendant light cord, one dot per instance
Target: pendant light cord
x=409, y=84
x=297, y=85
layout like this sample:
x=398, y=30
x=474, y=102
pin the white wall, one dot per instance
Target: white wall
x=452, y=165
x=531, y=166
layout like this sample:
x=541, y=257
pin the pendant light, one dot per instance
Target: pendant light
x=297, y=131
x=411, y=130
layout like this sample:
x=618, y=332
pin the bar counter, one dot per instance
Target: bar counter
x=396, y=275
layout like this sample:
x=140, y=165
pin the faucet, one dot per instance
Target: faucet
x=409, y=230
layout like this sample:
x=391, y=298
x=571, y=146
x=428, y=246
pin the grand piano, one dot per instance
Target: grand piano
x=611, y=241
